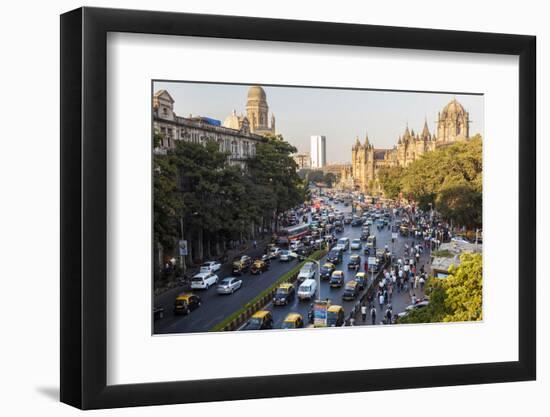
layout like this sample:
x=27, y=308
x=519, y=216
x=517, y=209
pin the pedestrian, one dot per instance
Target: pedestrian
x=366, y=266
x=381, y=300
x=363, y=313
x=415, y=282
x=413, y=299
x=352, y=321
x=421, y=281
x=373, y=315
x=255, y=244
x=389, y=314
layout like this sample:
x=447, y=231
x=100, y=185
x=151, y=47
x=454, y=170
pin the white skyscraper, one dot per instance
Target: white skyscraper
x=318, y=151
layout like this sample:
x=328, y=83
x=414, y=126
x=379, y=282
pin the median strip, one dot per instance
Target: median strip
x=235, y=320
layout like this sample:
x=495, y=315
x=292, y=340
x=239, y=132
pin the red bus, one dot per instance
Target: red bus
x=287, y=234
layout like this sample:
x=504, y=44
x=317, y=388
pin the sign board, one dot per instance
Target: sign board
x=373, y=260
x=183, y=247
x=320, y=313
x=394, y=235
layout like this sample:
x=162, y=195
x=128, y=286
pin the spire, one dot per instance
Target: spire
x=407, y=134
x=367, y=143
x=399, y=140
x=425, y=131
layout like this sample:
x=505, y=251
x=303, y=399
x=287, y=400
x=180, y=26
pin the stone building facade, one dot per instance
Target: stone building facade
x=235, y=136
x=366, y=160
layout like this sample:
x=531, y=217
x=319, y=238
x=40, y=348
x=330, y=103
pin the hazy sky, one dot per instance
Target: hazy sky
x=340, y=115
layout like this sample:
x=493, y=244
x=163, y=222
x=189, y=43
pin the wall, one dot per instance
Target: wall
x=29, y=210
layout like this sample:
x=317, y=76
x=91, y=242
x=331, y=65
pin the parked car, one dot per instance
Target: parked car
x=284, y=294
x=186, y=302
x=229, y=285
x=412, y=307
x=210, y=266
x=307, y=289
x=258, y=267
x=336, y=279
x=356, y=244
x=293, y=321
x=260, y=320
x=158, y=313
x=203, y=281
x=307, y=271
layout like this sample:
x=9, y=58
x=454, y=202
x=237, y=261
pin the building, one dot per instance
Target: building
x=303, y=160
x=448, y=254
x=366, y=160
x=235, y=136
x=318, y=151
x=257, y=112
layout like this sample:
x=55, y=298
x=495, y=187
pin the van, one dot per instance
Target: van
x=307, y=289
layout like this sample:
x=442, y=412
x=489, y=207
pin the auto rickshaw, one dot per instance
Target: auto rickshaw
x=186, y=302
x=335, y=316
x=258, y=266
x=293, y=321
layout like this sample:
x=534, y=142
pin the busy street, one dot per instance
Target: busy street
x=363, y=308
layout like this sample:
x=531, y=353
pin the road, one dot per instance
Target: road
x=383, y=237
x=216, y=307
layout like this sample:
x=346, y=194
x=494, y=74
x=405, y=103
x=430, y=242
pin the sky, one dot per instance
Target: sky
x=340, y=115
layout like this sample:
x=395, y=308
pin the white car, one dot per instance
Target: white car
x=210, y=266
x=229, y=285
x=203, y=281
x=307, y=271
x=418, y=305
x=274, y=252
x=459, y=239
x=295, y=245
x=356, y=244
x=307, y=290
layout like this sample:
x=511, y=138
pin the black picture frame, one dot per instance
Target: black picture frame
x=84, y=207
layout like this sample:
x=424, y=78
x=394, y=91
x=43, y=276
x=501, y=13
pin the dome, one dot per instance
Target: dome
x=256, y=93
x=453, y=108
x=233, y=121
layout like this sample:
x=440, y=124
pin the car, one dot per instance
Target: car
x=284, y=294
x=229, y=285
x=344, y=241
x=304, y=252
x=354, y=262
x=186, y=302
x=285, y=256
x=348, y=220
x=260, y=320
x=356, y=222
x=293, y=321
x=307, y=271
x=460, y=239
x=413, y=307
x=258, y=267
x=351, y=291
x=210, y=266
x=356, y=244
x=203, y=280
x=295, y=245
x=335, y=256
x=371, y=242
x=158, y=313
x=274, y=252
x=364, y=236
x=337, y=279
x=307, y=289
x=362, y=280
x=326, y=270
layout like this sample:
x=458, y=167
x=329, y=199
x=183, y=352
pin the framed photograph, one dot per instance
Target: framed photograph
x=260, y=208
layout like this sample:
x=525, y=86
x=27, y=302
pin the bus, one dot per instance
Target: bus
x=287, y=234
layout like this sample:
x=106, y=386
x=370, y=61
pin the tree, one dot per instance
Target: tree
x=455, y=298
x=390, y=180
x=464, y=289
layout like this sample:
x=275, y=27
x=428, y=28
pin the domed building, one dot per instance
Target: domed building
x=453, y=123
x=237, y=122
x=257, y=112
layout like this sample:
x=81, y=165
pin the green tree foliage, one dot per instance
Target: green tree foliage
x=456, y=298
x=450, y=178
x=216, y=201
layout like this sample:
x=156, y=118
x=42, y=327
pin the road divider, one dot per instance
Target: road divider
x=239, y=317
